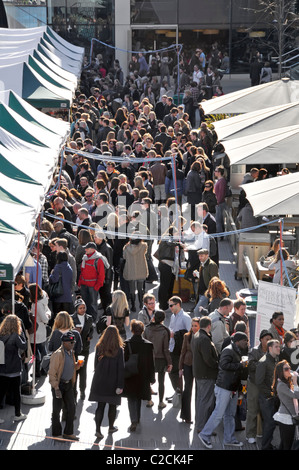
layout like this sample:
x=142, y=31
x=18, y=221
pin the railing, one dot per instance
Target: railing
x=252, y=282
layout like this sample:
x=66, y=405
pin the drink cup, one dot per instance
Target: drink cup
x=81, y=360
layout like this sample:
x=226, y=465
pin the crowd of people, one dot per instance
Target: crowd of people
x=138, y=184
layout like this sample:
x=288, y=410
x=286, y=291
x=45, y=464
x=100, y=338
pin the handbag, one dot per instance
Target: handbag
x=295, y=418
x=131, y=365
x=177, y=397
x=45, y=363
x=56, y=288
x=31, y=330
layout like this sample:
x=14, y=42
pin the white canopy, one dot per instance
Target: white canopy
x=276, y=196
x=30, y=85
x=257, y=121
x=277, y=146
x=30, y=144
x=28, y=112
x=254, y=98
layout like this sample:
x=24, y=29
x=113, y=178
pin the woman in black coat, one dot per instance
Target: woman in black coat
x=194, y=187
x=15, y=342
x=138, y=387
x=108, y=380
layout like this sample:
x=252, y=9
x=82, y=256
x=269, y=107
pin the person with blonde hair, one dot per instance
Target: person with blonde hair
x=118, y=313
x=62, y=324
x=14, y=342
x=108, y=380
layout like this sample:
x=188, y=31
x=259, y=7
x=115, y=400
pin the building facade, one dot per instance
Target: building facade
x=238, y=27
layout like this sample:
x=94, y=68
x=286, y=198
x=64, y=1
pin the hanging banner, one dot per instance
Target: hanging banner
x=274, y=298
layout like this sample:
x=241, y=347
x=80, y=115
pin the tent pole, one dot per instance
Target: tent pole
x=13, y=295
x=280, y=248
x=37, y=397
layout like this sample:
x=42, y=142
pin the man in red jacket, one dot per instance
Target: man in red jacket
x=91, y=278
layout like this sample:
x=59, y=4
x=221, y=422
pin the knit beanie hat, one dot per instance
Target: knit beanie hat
x=79, y=302
x=238, y=336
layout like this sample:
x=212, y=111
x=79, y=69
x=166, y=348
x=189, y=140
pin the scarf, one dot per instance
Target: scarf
x=281, y=332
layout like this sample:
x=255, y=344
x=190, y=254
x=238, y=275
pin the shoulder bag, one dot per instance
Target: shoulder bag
x=56, y=288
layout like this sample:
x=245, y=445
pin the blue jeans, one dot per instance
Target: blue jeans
x=225, y=408
x=90, y=297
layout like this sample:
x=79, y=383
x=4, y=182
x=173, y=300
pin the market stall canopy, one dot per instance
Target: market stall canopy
x=257, y=121
x=27, y=131
x=274, y=196
x=16, y=41
x=254, y=98
x=33, y=116
x=277, y=146
x=30, y=145
x=42, y=69
x=32, y=87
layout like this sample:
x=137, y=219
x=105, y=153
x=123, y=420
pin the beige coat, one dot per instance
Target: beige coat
x=136, y=265
x=56, y=368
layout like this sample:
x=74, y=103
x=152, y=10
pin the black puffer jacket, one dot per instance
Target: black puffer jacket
x=231, y=371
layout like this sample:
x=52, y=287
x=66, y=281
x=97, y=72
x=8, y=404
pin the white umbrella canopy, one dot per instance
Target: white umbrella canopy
x=277, y=146
x=276, y=196
x=257, y=121
x=253, y=98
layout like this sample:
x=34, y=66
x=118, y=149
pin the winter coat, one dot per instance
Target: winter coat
x=108, y=376
x=92, y=271
x=139, y=386
x=14, y=345
x=193, y=187
x=43, y=315
x=204, y=356
x=264, y=374
x=231, y=370
x=56, y=367
x=86, y=333
x=136, y=265
x=66, y=272
x=159, y=335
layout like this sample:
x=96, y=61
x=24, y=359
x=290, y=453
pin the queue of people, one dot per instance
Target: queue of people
x=104, y=225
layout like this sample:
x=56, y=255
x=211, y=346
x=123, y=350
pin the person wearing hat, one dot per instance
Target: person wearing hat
x=253, y=419
x=207, y=270
x=62, y=377
x=91, y=279
x=232, y=369
x=83, y=324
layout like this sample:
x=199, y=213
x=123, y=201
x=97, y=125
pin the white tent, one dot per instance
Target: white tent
x=257, y=121
x=69, y=56
x=29, y=149
x=35, y=89
x=277, y=146
x=276, y=196
x=254, y=98
x=28, y=112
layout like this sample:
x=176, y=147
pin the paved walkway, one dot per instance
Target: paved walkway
x=159, y=430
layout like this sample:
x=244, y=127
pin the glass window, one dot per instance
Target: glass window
x=154, y=12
